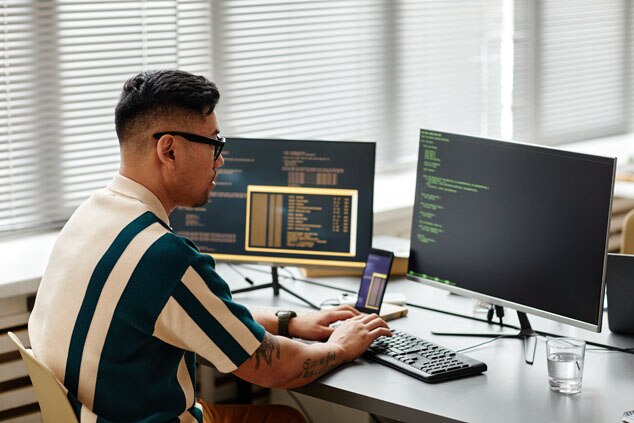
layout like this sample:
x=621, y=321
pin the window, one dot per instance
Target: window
x=302, y=69
x=538, y=71
x=571, y=70
x=359, y=70
x=63, y=65
x=448, y=70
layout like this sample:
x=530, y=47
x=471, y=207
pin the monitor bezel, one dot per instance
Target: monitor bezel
x=286, y=261
x=516, y=306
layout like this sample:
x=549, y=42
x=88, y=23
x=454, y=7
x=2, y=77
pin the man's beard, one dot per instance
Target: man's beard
x=202, y=202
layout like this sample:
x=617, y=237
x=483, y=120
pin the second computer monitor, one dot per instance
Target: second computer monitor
x=306, y=203
x=514, y=224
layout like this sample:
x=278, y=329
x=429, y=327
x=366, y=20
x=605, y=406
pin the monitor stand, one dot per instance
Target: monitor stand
x=526, y=333
x=276, y=285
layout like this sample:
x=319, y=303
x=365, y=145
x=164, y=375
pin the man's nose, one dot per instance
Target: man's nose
x=220, y=161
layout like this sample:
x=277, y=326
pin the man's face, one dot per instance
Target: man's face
x=197, y=174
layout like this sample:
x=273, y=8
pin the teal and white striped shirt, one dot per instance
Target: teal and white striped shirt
x=124, y=306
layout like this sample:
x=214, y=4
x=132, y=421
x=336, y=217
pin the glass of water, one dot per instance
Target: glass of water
x=565, y=364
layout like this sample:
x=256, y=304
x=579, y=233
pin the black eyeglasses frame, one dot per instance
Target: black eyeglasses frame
x=217, y=143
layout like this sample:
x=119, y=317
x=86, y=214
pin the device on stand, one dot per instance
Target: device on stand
x=510, y=224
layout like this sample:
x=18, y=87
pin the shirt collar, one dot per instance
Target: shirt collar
x=126, y=186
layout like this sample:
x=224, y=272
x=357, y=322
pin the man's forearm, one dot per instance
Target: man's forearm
x=317, y=367
x=317, y=359
x=268, y=321
x=283, y=363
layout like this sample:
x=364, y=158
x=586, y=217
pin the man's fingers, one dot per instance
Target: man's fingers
x=369, y=317
x=327, y=331
x=370, y=320
x=360, y=317
x=376, y=323
x=380, y=331
x=335, y=315
x=349, y=308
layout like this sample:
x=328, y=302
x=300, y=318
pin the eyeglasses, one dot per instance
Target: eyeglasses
x=217, y=143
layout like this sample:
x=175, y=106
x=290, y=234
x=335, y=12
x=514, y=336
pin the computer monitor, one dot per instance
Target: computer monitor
x=287, y=202
x=513, y=224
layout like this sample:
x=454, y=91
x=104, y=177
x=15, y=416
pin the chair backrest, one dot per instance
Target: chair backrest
x=51, y=394
x=627, y=234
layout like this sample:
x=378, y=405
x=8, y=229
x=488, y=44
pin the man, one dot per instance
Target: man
x=125, y=304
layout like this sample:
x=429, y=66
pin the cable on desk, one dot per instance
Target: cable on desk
x=464, y=316
x=450, y=313
x=483, y=343
x=301, y=406
x=330, y=302
x=290, y=274
x=495, y=339
x=499, y=312
x=242, y=275
x=293, y=277
x=595, y=344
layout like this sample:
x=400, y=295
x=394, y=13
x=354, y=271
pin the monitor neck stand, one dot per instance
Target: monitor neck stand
x=526, y=333
x=276, y=285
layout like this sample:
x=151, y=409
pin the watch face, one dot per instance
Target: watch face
x=285, y=313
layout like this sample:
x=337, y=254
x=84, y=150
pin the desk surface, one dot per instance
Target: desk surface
x=509, y=391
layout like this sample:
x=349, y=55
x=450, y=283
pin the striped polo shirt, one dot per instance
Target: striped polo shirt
x=124, y=307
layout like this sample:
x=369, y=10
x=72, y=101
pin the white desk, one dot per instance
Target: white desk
x=510, y=391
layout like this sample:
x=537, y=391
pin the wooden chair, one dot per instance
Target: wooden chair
x=51, y=394
x=627, y=234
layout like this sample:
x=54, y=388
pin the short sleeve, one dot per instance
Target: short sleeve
x=201, y=316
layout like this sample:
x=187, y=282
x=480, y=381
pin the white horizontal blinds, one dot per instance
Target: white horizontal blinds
x=581, y=70
x=301, y=69
x=194, y=49
x=448, y=69
x=524, y=67
x=101, y=44
x=630, y=62
x=24, y=34
x=63, y=65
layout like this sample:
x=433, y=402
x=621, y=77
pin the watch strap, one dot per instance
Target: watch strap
x=283, y=319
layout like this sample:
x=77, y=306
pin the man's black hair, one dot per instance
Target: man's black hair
x=156, y=92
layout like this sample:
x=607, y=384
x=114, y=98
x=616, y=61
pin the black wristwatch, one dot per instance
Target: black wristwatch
x=283, y=317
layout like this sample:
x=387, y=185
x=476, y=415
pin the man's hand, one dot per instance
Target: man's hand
x=316, y=326
x=284, y=363
x=356, y=334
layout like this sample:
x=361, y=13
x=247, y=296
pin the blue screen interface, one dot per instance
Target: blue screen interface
x=374, y=282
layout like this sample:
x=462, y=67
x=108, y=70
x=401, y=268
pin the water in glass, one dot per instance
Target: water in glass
x=565, y=371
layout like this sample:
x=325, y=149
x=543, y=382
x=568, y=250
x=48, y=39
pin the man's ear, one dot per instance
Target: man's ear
x=165, y=147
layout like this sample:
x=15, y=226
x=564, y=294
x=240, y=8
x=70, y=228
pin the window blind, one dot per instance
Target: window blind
x=571, y=83
x=20, y=180
x=302, y=69
x=64, y=63
x=315, y=69
x=448, y=70
x=357, y=69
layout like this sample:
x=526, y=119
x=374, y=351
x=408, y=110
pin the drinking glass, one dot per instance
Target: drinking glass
x=565, y=364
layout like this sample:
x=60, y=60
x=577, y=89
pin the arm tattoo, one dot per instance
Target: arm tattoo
x=269, y=347
x=319, y=367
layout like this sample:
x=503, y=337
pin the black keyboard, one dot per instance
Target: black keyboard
x=422, y=359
